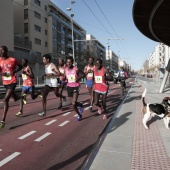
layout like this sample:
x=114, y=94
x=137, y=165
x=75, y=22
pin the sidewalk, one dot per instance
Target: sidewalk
x=127, y=145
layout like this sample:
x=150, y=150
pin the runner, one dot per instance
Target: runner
x=88, y=70
x=50, y=76
x=9, y=67
x=100, y=86
x=62, y=79
x=73, y=75
x=28, y=84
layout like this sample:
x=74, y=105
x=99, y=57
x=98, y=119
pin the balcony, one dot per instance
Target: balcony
x=22, y=43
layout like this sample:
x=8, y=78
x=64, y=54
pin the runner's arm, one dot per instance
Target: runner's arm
x=109, y=77
x=80, y=72
x=30, y=73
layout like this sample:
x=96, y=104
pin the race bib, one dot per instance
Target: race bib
x=90, y=75
x=24, y=77
x=62, y=71
x=98, y=79
x=7, y=77
x=71, y=78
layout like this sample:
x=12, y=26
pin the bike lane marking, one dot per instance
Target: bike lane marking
x=64, y=123
x=65, y=114
x=52, y=121
x=9, y=158
x=42, y=137
x=26, y=135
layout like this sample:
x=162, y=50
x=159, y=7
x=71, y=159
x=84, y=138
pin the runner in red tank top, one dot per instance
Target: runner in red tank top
x=9, y=67
x=100, y=86
x=28, y=84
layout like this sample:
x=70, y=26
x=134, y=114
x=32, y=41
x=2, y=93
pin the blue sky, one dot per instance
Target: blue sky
x=112, y=19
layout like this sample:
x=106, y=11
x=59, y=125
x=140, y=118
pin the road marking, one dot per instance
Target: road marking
x=6, y=160
x=85, y=103
x=65, y=114
x=26, y=135
x=86, y=108
x=52, y=121
x=75, y=115
x=0, y=149
x=64, y=123
x=42, y=137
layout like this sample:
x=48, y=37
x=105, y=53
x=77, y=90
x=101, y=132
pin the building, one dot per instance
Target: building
x=112, y=60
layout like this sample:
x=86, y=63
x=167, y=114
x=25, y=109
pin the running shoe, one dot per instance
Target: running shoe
x=80, y=108
x=78, y=118
x=90, y=109
x=59, y=107
x=24, y=99
x=41, y=114
x=104, y=116
x=19, y=114
x=99, y=110
x=2, y=124
x=40, y=93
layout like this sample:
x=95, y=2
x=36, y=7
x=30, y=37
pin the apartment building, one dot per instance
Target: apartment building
x=6, y=28
x=112, y=60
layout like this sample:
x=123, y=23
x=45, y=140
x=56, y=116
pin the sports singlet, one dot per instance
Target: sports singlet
x=27, y=81
x=7, y=66
x=90, y=75
x=61, y=69
x=71, y=76
x=99, y=79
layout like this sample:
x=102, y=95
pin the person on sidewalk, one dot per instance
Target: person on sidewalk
x=73, y=76
x=100, y=86
x=28, y=84
x=9, y=66
x=88, y=70
x=62, y=79
x=51, y=82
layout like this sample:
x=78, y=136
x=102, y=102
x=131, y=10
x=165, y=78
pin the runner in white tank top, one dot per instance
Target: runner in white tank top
x=50, y=76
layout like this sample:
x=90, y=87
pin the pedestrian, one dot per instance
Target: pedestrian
x=73, y=76
x=51, y=82
x=100, y=86
x=62, y=79
x=28, y=84
x=9, y=66
x=122, y=76
x=89, y=72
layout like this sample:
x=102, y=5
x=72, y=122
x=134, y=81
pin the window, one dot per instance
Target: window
x=37, y=28
x=25, y=2
x=37, y=2
x=46, y=44
x=45, y=7
x=37, y=15
x=25, y=13
x=37, y=41
x=45, y=20
x=25, y=27
x=45, y=32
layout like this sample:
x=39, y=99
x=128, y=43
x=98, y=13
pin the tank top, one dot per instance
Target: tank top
x=99, y=79
x=61, y=69
x=71, y=76
x=51, y=81
x=90, y=75
x=7, y=66
x=27, y=81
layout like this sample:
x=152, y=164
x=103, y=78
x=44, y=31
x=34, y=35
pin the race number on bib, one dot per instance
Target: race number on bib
x=98, y=79
x=7, y=77
x=24, y=77
x=62, y=71
x=90, y=75
x=71, y=78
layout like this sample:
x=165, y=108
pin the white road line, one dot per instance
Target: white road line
x=0, y=149
x=64, y=123
x=65, y=114
x=85, y=103
x=52, y=121
x=75, y=115
x=26, y=135
x=7, y=159
x=86, y=108
x=42, y=137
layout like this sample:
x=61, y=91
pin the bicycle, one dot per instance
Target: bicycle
x=122, y=84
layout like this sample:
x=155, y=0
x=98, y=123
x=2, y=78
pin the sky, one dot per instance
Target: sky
x=112, y=19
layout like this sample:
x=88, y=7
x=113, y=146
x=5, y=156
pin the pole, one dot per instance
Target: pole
x=72, y=35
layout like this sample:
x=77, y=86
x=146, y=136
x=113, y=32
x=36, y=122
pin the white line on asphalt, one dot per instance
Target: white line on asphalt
x=42, y=137
x=26, y=135
x=65, y=114
x=0, y=149
x=4, y=161
x=52, y=121
x=75, y=115
x=85, y=103
x=64, y=123
x=86, y=108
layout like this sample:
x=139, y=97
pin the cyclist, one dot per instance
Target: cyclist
x=121, y=76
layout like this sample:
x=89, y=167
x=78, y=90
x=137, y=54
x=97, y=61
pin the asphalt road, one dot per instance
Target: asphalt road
x=55, y=141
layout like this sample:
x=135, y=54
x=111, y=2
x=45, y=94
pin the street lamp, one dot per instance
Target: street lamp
x=72, y=29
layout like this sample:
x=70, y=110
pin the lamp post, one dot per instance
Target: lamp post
x=72, y=28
